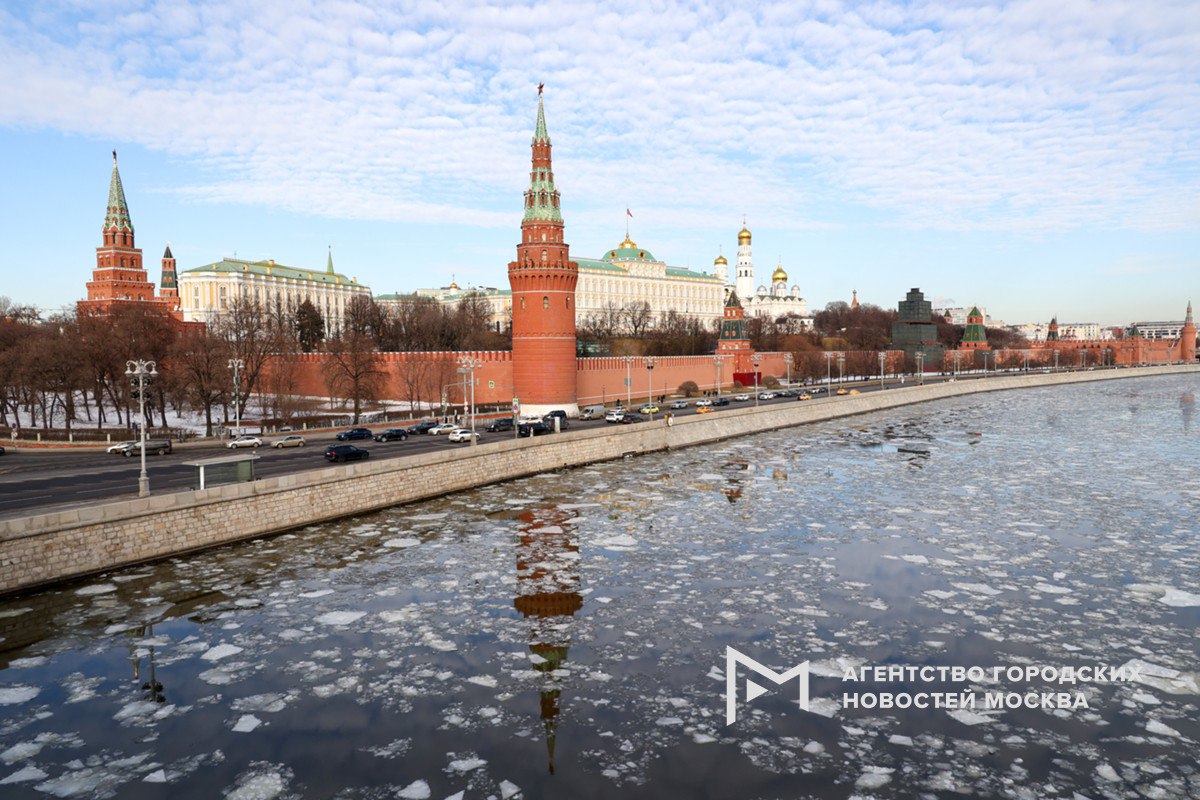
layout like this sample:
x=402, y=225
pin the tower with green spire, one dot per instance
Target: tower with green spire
x=975, y=335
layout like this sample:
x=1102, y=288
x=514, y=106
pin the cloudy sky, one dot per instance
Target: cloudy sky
x=1031, y=157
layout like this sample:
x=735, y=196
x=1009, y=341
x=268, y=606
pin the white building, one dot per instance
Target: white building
x=1082, y=330
x=207, y=292
x=499, y=300
x=776, y=301
x=1160, y=330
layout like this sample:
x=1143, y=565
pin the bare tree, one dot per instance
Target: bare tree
x=352, y=368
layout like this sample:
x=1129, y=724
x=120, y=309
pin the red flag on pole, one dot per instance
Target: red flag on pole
x=628, y=213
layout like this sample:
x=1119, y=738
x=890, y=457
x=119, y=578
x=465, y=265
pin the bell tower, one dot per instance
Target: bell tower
x=1187, y=337
x=543, y=282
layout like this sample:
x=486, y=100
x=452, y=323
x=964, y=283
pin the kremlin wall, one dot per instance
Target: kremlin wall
x=542, y=371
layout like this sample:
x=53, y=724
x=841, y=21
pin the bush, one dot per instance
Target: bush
x=770, y=382
x=689, y=389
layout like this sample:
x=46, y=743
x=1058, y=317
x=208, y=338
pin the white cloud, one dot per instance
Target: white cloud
x=1029, y=116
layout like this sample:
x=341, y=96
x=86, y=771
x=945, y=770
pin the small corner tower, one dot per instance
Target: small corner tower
x=543, y=282
x=168, y=286
x=975, y=335
x=1187, y=337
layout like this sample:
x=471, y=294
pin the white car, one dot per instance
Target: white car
x=741, y=398
x=445, y=427
x=461, y=435
x=120, y=446
x=702, y=402
x=289, y=441
x=615, y=415
x=245, y=440
x=679, y=404
x=766, y=395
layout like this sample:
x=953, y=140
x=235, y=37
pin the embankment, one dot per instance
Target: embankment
x=56, y=546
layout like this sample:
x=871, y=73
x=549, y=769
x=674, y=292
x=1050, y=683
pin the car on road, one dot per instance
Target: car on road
x=648, y=408
x=562, y=422
x=741, y=398
x=702, y=402
x=1, y=451
x=614, y=415
x=819, y=390
x=295, y=440
x=629, y=419
x=392, y=435
x=245, y=440
x=705, y=410
x=841, y=392
x=804, y=396
x=500, y=425
x=766, y=395
x=119, y=446
x=462, y=435
x=538, y=428
x=679, y=404
x=345, y=452
x=558, y=412
x=721, y=401
x=354, y=434
x=421, y=427
x=444, y=427
x=592, y=412
x=855, y=391
x=158, y=447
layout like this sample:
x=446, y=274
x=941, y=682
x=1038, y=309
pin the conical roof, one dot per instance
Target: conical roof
x=539, y=133
x=117, y=215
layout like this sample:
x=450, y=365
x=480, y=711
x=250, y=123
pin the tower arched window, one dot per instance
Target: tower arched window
x=545, y=302
x=522, y=303
x=543, y=236
x=544, y=256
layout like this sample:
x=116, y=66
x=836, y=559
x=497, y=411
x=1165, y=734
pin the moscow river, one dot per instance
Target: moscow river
x=564, y=636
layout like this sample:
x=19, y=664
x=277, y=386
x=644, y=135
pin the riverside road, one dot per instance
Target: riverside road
x=35, y=480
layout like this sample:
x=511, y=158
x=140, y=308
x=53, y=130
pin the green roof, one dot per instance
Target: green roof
x=629, y=254
x=680, y=272
x=274, y=270
x=596, y=264
x=117, y=215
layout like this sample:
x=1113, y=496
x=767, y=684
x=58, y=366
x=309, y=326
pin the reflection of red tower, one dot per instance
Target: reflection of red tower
x=543, y=293
x=548, y=575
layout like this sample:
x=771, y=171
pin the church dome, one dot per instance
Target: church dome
x=744, y=235
x=628, y=251
x=779, y=276
x=720, y=260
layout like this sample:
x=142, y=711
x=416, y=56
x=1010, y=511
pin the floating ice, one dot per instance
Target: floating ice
x=465, y=764
x=874, y=777
x=508, y=790
x=158, y=776
x=1179, y=598
x=340, y=617
x=483, y=680
x=27, y=773
x=1154, y=726
x=21, y=751
x=96, y=588
x=12, y=695
x=417, y=790
x=316, y=593
x=402, y=542
x=221, y=651
x=620, y=542
x=968, y=717
x=977, y=588
x=1047, y=588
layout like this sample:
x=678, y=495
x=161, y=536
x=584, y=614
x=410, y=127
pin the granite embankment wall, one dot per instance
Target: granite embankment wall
x=56, y=546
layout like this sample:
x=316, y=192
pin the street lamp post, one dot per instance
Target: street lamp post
x=841, y=370
x=787, y=359
x=140, y=375
x=650, y=362
x=628, y=383
x=756, y=358
x=237, y=365
x=882, y=360
x=955, y=365
x=719, y=360
x=828, y=374
x=1082, y=358
x=468, y=365
x=985, y=362
x=920, y=369
x=1056, y=360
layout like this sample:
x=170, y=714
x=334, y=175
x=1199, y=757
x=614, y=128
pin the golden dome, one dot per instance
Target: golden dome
x=627, y=243
x=779, y=275
x=744, y=235
x=720, y=260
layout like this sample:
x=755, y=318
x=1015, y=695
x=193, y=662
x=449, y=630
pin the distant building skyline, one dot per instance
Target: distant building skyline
x=996, y=155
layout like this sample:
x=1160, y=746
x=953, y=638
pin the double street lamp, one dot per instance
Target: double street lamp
x=141, y=373
x=828, y=374
x=756, y=358
x=237, y=365
x=650, y=362
x=882, y=360
x=466, y=367
x=628, y=382
x=920, y=369
x=787, y=359
x=719, y=360
x=841, y=370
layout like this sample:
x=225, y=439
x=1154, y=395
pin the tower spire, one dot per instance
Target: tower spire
x=1188, y=319
x=117, y=213
x=329, y=261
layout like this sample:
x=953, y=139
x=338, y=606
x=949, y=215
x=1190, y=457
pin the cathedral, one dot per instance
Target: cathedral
x=776, y=301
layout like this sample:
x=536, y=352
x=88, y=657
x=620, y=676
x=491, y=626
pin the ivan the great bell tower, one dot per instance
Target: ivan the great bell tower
x=543, y=293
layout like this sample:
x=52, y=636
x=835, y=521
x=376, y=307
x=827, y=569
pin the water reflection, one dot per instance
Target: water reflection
x=548, y=586
x=1187, y=407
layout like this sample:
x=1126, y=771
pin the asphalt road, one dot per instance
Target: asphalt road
x=35, y=480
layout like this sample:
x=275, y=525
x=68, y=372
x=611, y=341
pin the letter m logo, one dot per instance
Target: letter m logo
x=734, y=657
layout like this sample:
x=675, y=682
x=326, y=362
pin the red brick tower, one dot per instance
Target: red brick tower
x=543, y=293
x=1187, y=337
x=119, y=276
x=168, y=287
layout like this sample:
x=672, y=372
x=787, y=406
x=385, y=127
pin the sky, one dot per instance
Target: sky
x=1035, y=158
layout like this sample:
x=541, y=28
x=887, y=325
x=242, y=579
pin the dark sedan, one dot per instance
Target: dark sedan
x=629, y=419
x=535, y=429
x=422, y=427
x=499, y=425
x=345, y=452
x=392, y=435
x=354, y=434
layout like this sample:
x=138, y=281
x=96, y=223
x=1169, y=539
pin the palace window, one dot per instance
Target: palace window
x=545, y=302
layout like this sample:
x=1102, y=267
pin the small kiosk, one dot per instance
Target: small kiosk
x=223, y=469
